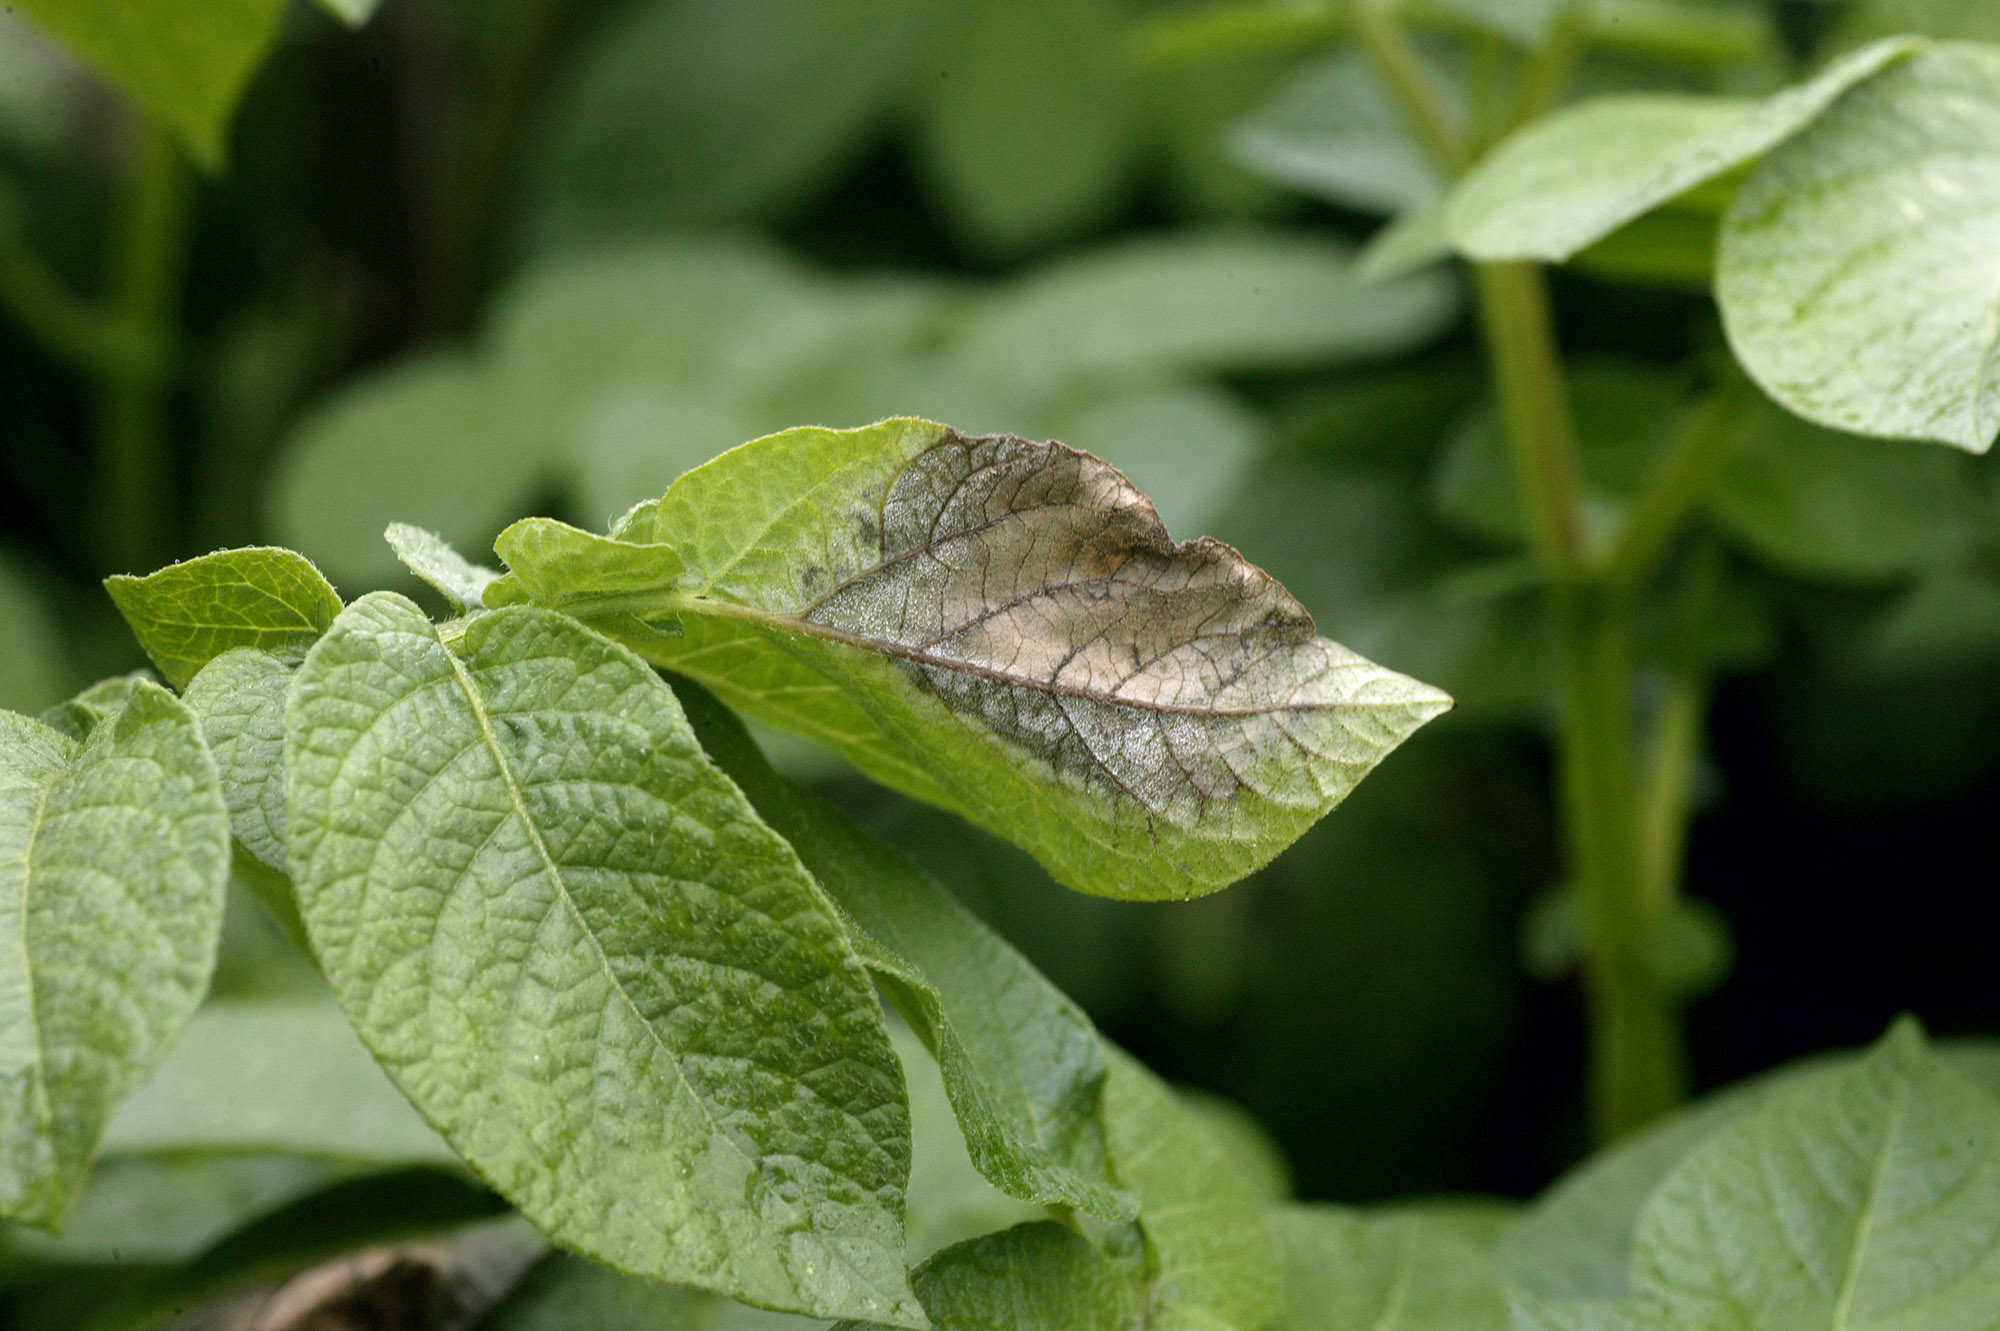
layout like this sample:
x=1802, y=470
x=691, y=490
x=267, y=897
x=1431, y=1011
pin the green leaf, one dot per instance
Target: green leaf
x=1222, y=301
x=1970, y=20
x=113, y=857
x=1855, y=270
x=1411, y=240
x=1009, y=621
x=1211, y=1263
x=1033, y=1277
x=1350, y=1271
x=240, y=700
x=575, y=947
x=273, y=1076
x=1026, y=127
x=1583, y=173
x=187, y=614
x=30, y=651
x=1867, y=1194
x=762, y=100
x=432, y=558
x=88, y=710
x=1948, y=622
x=182, y=61
x=1021, y=1062
x=1833, y=507
x=564, y=1293
x=1332, y=132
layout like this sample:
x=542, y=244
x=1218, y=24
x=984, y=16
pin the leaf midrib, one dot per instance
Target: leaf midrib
x=1865, y=1221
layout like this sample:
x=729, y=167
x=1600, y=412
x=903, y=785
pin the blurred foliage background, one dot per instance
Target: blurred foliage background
x=482, y=258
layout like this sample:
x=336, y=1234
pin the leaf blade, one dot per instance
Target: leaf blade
x=664, y=906
x=187, y=614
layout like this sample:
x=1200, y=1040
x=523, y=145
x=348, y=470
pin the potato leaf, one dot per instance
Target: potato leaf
x=1856, y=266
x=1021, y=1062
x=1010, y=622
x=1865, y=1195
x=431, y=558
x=240, y=700
x=575, y=947
x=114, y=852
x=183, y=61
x=1350, y=1271
x=1583, y=173
x=187, y=614
x=1039, y=1276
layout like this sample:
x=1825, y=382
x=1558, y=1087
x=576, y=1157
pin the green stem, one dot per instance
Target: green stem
x=1547, y=71
x=1676, y=483
x=146, y=264
x=1666, y=796
x=1635, y=1039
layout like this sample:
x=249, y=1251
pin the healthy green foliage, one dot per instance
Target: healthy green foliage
x=113, y=855
x=1004, y=628
x=1578, y=176
x=187, y=614
x=1021, y=1063
x=606, y=983
x=1033, y=1277
x=1330, y=131
x=182, y=61
x=1855, y=272
x=1353, y=1271
x=426, y=554
x=1865, y=1195
x=240, y=699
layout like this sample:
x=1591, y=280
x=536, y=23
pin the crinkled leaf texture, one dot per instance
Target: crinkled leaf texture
x=240, y=699
x=1865, y=1197
x=1021, y=1062
x=187, y=614
x=1856, y=272
x=114, y=852
x=1039, y=1276
x=1583, y=173
x=1004, y=628
x=432, y=558
x=578, y=951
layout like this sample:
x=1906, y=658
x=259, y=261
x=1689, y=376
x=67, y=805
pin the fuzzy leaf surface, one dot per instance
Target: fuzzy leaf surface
x=1021, y=1062
x=1583, y=173
x=1010, y=622
x=187, y=614
x=240, y=698
x=432, y=558
x=114, y=852
x=1856, y=271
x=575, y=947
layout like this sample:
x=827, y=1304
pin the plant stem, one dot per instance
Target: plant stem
x=1676, y=483
x=1635, y=1040
x=146, y=263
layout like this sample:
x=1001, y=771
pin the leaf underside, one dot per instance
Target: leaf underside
x=574, y=946
x=1004, y=628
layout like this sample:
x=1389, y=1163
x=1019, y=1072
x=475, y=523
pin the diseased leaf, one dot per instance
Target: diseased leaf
x=1584, y=172
x=575, y=947
x=1855, y=272
x=1010, y=621
x=1865, y=1195
x=240, y=698
x=187, y=614
x=1035, y=1277
x=1021, y=1062
x=1351, y=1271
x=431, y=558
x=184, y=61
x=1025, y=127
x=1833, y=507
x=113, y=856
x=1211, y=1263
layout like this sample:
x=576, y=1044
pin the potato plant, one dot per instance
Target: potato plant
x=589, y=1010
